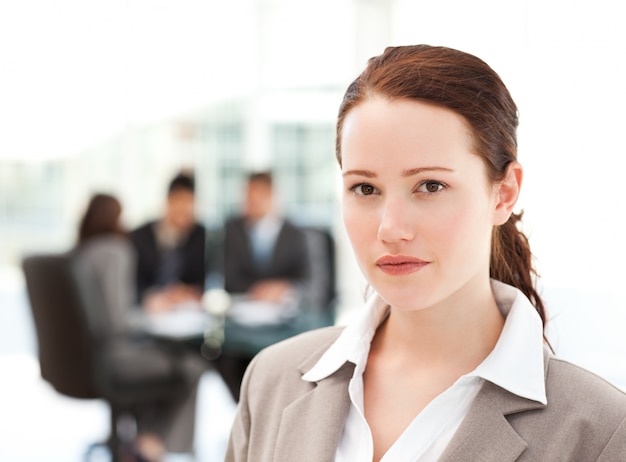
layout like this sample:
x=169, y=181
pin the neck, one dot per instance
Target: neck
x=459, y=332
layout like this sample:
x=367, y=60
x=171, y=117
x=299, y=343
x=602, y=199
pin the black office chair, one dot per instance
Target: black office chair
x=72, y=332
x=323, y=285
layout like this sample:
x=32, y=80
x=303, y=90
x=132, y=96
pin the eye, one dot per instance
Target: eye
x=363, y=189
x=431, y=186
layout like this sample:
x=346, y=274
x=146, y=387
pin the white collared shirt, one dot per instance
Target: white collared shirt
x=515, y=364
x=263, y=235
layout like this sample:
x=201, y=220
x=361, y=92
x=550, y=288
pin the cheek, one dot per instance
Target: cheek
x=440, y=234
x=350, y=222
x=360, y=227
x=464, y=231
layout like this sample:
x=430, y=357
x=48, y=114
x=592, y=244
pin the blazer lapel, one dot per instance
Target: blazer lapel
x=315, y=438
x=485, y=434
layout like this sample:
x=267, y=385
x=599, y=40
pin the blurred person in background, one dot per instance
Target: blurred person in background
x=265, y=255
x=266, y=259
x=171, y=251
x=108, y=255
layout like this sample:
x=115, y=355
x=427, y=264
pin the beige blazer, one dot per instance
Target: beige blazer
x=282, y=418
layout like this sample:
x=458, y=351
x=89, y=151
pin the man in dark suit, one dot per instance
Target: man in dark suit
x=265, y=254
x=171, y=263
x=265, y=259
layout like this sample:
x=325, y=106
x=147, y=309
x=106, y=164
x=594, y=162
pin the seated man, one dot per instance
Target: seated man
x=265, y=257
x=171, y=264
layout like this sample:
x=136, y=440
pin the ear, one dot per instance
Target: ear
x=507, y=192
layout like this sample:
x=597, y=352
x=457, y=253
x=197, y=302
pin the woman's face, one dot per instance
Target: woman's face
x=417, y=205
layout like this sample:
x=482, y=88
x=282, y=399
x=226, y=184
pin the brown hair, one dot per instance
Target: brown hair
x=184, y=181
x=101, y=217
x=468, y=86
x=264, y=176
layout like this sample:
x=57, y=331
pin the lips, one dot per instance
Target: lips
x=400, y=264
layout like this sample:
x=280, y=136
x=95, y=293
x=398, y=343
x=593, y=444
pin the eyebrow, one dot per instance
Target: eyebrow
x=405, y=173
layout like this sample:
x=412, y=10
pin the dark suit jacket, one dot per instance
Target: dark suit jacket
x=282, y=418
x=193, y=267
x=289, y=259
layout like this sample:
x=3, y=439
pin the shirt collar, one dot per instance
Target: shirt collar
x=515, y=363
x=268, y=222
x=354, y=341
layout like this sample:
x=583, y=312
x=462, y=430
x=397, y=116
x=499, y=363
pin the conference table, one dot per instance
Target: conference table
x=233, y=324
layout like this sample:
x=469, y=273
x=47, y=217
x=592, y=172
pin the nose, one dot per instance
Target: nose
x=395, y=222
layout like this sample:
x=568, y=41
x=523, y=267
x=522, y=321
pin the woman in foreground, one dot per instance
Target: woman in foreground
x=447, y=360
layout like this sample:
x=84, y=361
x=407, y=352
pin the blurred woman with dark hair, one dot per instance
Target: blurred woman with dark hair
x=102, y=217
x=108, y=255
x=104, y=246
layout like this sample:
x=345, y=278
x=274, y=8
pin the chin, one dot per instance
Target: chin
x=405, y=299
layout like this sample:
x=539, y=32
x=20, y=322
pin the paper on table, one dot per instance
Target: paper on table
x=260, y=313
x=183, y=322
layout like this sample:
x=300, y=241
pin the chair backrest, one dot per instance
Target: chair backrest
x=65, y=339
x=323, y=285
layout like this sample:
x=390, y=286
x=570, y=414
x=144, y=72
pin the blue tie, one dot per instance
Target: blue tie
x=261, y=247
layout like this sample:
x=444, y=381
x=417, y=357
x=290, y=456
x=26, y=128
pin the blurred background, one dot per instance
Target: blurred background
x=117, y=96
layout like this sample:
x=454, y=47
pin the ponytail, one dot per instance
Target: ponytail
x=511, y=261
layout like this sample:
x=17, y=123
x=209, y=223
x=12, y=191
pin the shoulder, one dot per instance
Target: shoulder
x=585, y=418
x=290, y=227
x=274, y=377
x=197, y=227
x=569, y=383
x=198, y=230
x=106, y=255
x=142, y=230
x=106, y=245
x=235, y=228
x=292, y=357
x=293, y=236
x=300, y=348
x=234, y=221
x=196, y=236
